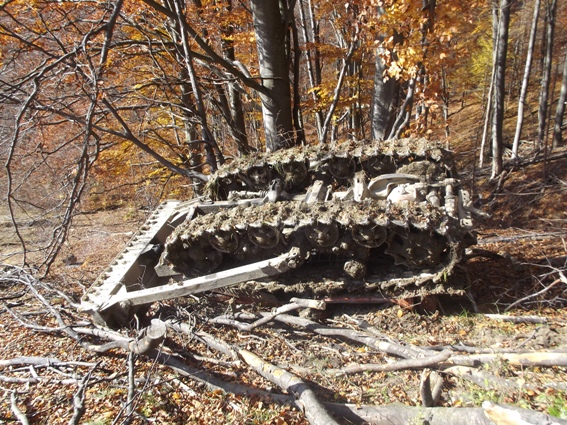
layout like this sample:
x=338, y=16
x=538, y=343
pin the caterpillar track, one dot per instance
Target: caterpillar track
x=415, y=241
x=382, y=216
x=297, y=168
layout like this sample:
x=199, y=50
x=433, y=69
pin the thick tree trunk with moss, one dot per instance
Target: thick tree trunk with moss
x=269, y=26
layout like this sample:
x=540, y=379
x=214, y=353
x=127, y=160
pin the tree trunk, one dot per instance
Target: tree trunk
x=402, y=120
x=382, y=100
x=550, y=7
x=236, y=123
x=269, y=21
x=525, y=80
x=311, y=27
x=211, y=146
x=557, y=136
x=499, y=87
x=337, y=92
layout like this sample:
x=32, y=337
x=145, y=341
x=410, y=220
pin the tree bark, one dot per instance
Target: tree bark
x=268, y=19
x=236, y=112
x=210, y=143
x=383, y=96
x=310, y=32
x=558, y=125
x=382, y=100
x=499, y=87
x=525, y=81
x=314, y=411
x=550, y=8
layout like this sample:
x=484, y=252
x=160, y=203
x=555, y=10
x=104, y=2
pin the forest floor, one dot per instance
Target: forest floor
x=520, y=261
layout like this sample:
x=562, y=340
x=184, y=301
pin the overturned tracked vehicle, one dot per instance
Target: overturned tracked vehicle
x=383, y=216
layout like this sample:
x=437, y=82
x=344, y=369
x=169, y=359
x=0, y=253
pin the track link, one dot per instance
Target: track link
x=415, y=237
x=298, y=167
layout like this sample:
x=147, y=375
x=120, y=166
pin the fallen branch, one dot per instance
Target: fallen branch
x=314, y=411
x=79, y=398
x=477, y=350
x=531, y=236
x=206, y=338
x=486, y=380
x=394, y=414
x=429, y=396
x=534, y=358
x=16, y=410
x=150, y=338
x=41, y=362
x=562, y=279
x=502, y=415
x=517, y=319
x=131, y=388
x=418, y=363
x=398, y=414
x=296, y=303
x=363, y=338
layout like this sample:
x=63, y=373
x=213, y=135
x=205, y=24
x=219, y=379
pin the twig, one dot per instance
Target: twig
x=361, y=337
x=79, y=398
x=543, y=291
x=296, y=303
x=41, y=362
x=131, y=387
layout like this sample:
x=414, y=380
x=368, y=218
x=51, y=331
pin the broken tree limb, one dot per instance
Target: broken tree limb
x=393, y=414
x=314, y=411
x=398, y=414
x=150, y=338
x=517, y=319
x=296, y=303
x=425, y=388
x=212, y=382
x=503, y=415
x=418, y=363
x=486, y=380
x=534, y=358
x=479, y=350
x=16, y=410
x=430, y=396
x=40, y=362
x=217, y=344
x=79, y=397
x=361, y=337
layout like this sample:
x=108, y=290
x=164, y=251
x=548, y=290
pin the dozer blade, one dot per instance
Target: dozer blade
x=132, y=266
x=119, y=306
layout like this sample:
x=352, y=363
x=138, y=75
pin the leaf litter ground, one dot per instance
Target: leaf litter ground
x=526, y=238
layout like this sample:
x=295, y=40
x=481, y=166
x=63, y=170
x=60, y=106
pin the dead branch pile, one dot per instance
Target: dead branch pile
x=182, y=344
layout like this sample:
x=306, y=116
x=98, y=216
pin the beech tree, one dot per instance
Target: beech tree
x=550, y=9
x=525, y=80
x=271, y=18
x=558, y=122
x=147, y=97
x=500, y=54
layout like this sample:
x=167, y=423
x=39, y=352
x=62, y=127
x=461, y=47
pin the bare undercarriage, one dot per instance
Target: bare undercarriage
x=392, y=214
